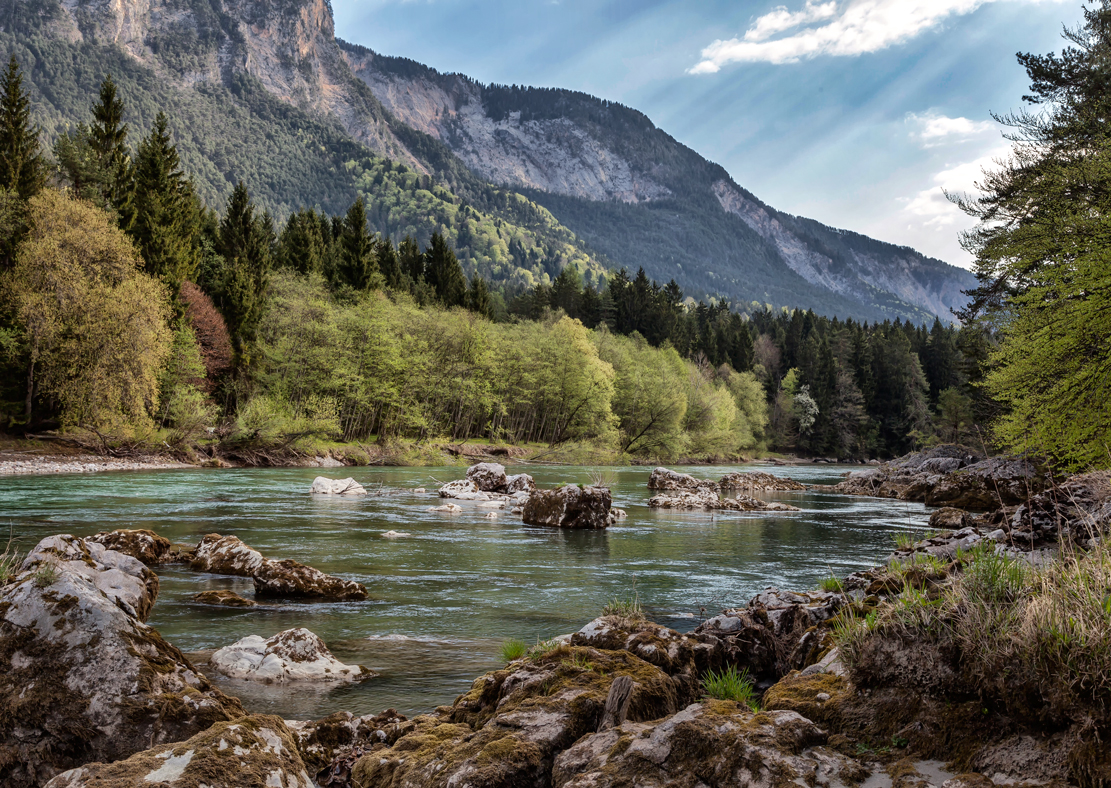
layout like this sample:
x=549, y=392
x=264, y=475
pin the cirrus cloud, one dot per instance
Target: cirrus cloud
x=852, y=27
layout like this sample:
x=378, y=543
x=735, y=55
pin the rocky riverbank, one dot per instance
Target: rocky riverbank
x=966, y=661
x=28, y=464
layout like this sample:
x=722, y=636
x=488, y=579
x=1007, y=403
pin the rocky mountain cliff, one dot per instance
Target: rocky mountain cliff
x=261, y=90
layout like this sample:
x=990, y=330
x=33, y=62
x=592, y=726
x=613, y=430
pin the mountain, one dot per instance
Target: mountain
x=524, y=181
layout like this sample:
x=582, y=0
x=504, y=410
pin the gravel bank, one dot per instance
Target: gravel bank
x=25, y=465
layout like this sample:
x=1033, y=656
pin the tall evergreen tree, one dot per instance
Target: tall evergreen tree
x=443, y=272
x=356, y=262
x=411, y=259
x=245, y=246
x=389, y=265
x=22, y=167
x=478, y=298
x=165, y=222
x=108, y=136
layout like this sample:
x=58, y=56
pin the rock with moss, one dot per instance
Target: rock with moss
x=570, y=506
x=520, y=483
x=719, y=743
x=123, y=579
x=82, y=678
x=223, y=598
x=488, y=476
x=252, y=752
x=294, y=655
x=331, y=746
x=322, y=485
x=684, y=657
x=507, y=731
x=708, y=499
x=756, y=481
x=143, y=544
x=664, y=479
x=226, y=555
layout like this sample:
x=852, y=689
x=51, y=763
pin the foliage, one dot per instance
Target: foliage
x=513, y=649
x=1042, y=256
x=22, y=166
x=94, y=324
x=731, y=684
x=183, y=404
x=210, y=333
x=832, y=584
x=627, y=607
x=45, y=574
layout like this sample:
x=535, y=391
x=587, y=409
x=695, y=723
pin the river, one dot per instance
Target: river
x=444, y=599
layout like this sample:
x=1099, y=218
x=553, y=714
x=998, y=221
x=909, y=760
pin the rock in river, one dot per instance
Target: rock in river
x=488, y=476
x=293, y=655
x=81, y=677
x=569, y=506
x=253, y=752
x=324, y=486
x=147, y=546
x=223, y=599
x=664, y=479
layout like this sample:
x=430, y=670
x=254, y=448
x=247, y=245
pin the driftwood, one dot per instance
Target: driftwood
x=617, y=703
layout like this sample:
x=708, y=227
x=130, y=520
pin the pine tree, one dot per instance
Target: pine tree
x=245, y=245
x=108, y=137
x=411, y=259
x=443, y=272
x=302, y=246
x=165, y=222
x=22, y=167
x=478, y=298
x=389, y=265
x=356, y=263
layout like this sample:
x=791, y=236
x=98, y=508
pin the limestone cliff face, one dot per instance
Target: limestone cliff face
x=554, y=155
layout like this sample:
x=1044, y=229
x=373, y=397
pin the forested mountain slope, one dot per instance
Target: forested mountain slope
x=644, y=199
x=521, y=181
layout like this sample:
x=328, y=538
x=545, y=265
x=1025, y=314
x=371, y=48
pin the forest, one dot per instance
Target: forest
x=132, y=309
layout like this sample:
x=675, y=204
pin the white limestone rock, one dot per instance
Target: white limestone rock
x=290, y=656
x=324, y=486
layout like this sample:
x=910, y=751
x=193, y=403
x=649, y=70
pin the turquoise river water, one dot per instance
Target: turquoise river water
x=445, y=598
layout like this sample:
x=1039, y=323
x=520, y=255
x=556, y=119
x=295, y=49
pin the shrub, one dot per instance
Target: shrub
x=730, y=684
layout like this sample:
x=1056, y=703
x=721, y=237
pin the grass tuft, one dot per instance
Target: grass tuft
x=9, y=563
x=731, y=684
x=830, y=584
x=513, y=649
x=543, y=647
x=46, y=574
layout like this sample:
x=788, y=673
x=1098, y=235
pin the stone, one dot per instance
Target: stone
x=458, y=488
x=949, y=519
x=707, y=499
x=324, y=486
x=226, y=555
x=331, y=746
x=713, y=742
x=252, y=752
x=664, y=479
x=488, y=476
x=520, y=483
x=756, y=481
x=395, y=535
x=491, y=505
x=82, y=678
x=418, y=490
x=618, y=514
x=447, y=508
x=569, y=506
x=295, y=655
x=145, y=545
x=223, y=599
x=123, y=579
x=491, y=515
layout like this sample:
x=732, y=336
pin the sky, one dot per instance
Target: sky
x=856, y=113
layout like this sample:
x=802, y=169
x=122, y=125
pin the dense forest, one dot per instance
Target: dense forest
x=130, y=308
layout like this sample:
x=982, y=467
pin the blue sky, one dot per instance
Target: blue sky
x=852, y=112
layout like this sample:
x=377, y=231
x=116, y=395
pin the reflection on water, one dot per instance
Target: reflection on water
x=443, y=600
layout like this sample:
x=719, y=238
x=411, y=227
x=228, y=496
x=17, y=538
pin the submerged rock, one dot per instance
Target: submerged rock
x=252, y=752
x=707, y=499
x=227, y=555
x=293, y=655
x=395, y=535
x=447, y=508
x=223, y=599
x=81, y=677
x=569, y=506
x=664, y=479
x=146, y=546
x=324, y=486
x=488, y=476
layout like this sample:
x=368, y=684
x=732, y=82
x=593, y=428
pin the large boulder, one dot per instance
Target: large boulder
x=664, y=479
x=569, y=506
x=82, y=678
x=145, y=545
x=707, y=499
x=463, y=490
x=227, y=555
x=331, y=746
x=252, y=752
x=322, y=485
x=755, y=481
x=711, y=743
x=507, y=731
x=520, y=483
x=223, y=598
x=291, y=656
x=488, y=476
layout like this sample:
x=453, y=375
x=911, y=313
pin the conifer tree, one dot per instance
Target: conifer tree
x=389, y=265
x=245, y=246
x=165, y=221
x=302, y=246
x=411, y=259
x=443, y=272
x=22, y=167
x=478, y=298
x=108, y=137
x=356, y=263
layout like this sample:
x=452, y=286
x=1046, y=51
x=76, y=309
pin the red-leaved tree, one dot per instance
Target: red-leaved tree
x=211, y=331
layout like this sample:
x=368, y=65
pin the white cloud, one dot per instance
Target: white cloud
x=932, y=129
x=930, y=208
x=851, y=27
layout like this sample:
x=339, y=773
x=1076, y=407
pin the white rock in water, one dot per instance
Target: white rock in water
x=460, y=488
x=395, y=535
x=491, y=515
x=293, y=655
x=492, y=505
x=325, y=486
x=447, y=508
x=419, y=490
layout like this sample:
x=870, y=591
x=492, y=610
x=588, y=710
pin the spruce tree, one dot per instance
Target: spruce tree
x=165, y=223
x=478, y=298
x=108, y=137
x=22, y=167
x=302, y=246
x=411, y=259
x=443, y=272
x=244, y=244
x=356, y=264
x=389, y=265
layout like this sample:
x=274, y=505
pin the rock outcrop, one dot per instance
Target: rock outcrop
x=331, y=746
x=82, y=679
x=664, y=479
x=520, y=483
x=488, y=476
x=292, y=656
x=251, y=752
x=569, y=506
x=707, y=499
x=227, y=555
x=325, y=486
x=755, y=481
x=951, y=476
x=145, y=545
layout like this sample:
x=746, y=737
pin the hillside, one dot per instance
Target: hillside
x=522, y=181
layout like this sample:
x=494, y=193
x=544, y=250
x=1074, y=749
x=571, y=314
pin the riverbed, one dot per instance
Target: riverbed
x=445, y=598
